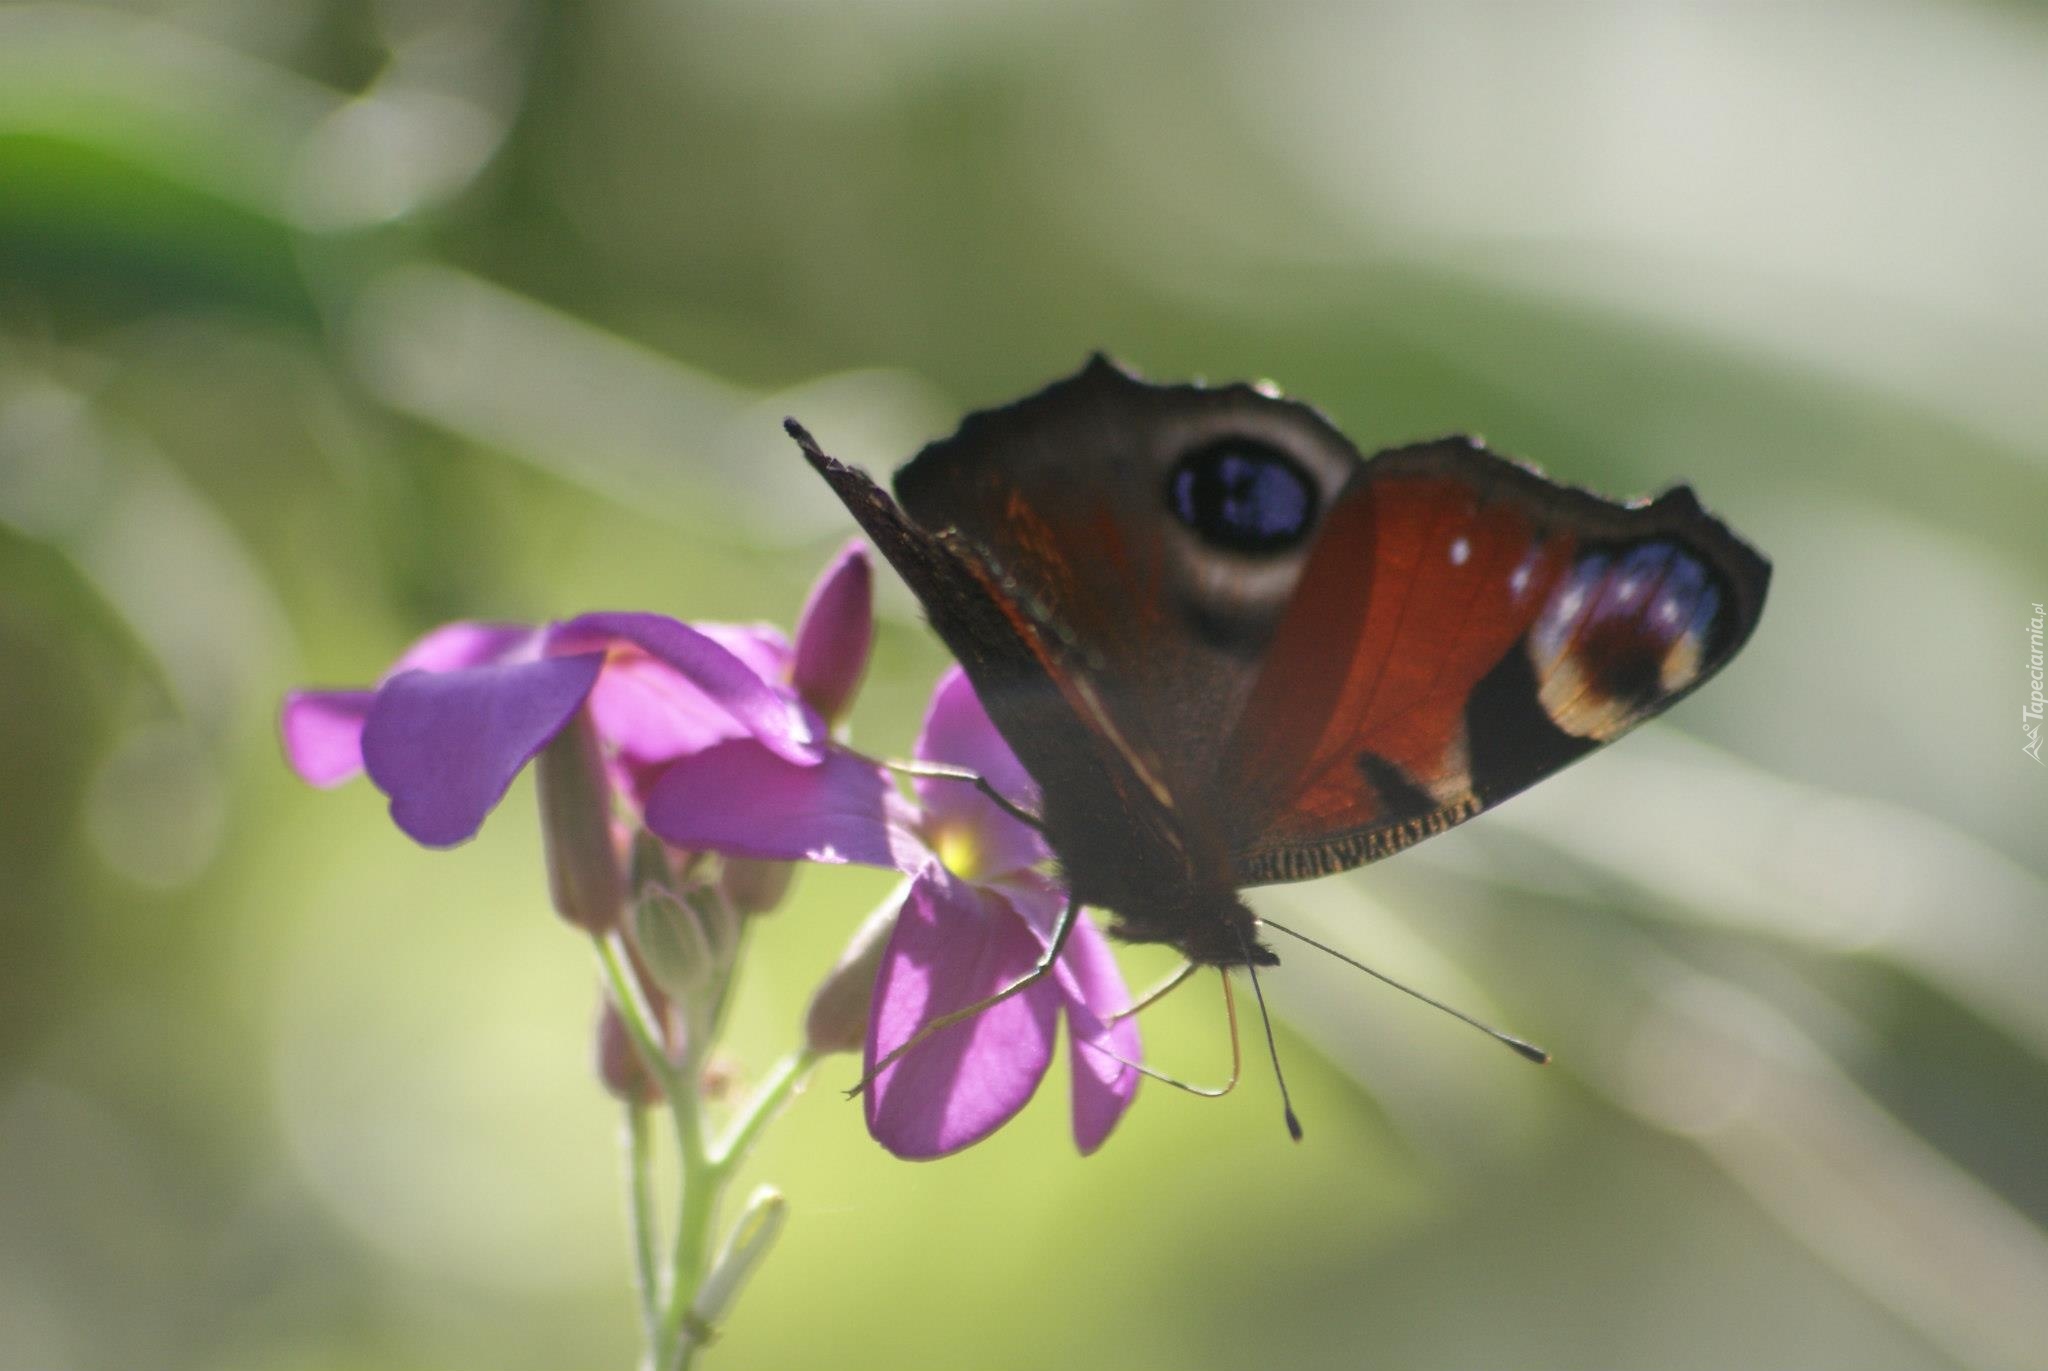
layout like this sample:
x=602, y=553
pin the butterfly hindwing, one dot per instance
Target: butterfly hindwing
x=1464, y=628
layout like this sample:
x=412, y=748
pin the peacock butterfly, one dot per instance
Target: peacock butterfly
x=1231, y=651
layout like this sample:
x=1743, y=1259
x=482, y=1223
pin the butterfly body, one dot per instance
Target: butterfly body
x=1230, y=650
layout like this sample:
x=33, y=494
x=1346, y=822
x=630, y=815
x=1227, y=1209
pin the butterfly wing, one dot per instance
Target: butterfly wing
x=1098, y=792
x=1232, y=652
x=1091, y=496
x=1462, y=629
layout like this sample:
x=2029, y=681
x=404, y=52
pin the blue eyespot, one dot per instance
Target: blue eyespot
x=1243, y=496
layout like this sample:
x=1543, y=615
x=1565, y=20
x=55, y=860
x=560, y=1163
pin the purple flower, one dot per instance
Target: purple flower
x=467, y=706
x=470, y=704
x=978, y=915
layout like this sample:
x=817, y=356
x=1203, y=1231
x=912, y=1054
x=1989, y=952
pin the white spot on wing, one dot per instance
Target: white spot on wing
x=1461, y=551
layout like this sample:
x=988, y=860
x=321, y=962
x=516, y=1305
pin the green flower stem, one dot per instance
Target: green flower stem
x=685, y=1329
x=773, y=1093
x=638, y=1016
x=640, y=1213
x=675, y=1341
x=704, y=1169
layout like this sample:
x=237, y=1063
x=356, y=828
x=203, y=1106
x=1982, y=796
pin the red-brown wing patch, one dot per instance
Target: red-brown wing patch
x=1462, y=629
x=1416, y=590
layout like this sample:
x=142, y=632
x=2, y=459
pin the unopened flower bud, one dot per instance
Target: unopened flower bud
x=650, y=860
x=760, y=1223
x=671, y=941
x=719, y=920
x=576, y=828
x=755, y=885
x=837, y=1020
x=618, y=1061
x=834, y=632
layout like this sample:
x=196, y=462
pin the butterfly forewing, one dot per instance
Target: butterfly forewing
x=1087, y=496
x=1099, y=796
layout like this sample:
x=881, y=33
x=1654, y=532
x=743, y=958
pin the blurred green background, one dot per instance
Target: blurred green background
x=323, y=321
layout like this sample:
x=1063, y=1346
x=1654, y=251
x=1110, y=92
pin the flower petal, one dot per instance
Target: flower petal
x=1097, y=1049
x=834, y=632
x=445, y=745
x=1037, y=898
x=765, y=711
x=1092, y=986
x=763, y=647
x=323, y=733
x=466, y=643
x=739, y=798
x=651, y=715
x=954, y=945
x=323, y=729
x=957, y=732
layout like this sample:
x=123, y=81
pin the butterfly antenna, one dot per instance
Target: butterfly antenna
x=1272, y=1050
x=1528, y=1050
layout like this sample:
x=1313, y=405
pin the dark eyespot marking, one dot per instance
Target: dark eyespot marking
x=1243, y=496
x=1628, y=628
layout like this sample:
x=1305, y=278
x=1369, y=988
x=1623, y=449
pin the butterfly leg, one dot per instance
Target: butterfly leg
x=1207, y=1092
x=935, y=771
x=1156, y=993
x=1070, y=916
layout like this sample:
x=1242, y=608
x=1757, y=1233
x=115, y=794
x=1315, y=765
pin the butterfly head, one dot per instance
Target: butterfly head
x=1211, y=927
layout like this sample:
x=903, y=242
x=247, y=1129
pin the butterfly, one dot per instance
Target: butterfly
x=1232, y=651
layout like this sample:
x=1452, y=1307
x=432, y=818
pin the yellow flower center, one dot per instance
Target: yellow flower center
x=958, y=848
